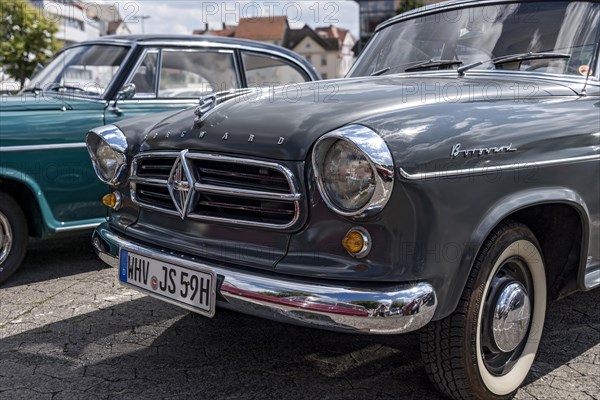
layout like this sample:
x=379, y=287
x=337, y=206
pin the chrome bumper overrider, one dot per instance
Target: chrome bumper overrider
x=325, y=305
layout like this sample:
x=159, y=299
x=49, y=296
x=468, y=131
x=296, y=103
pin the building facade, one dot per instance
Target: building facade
x=73, y=25
x=78, y=21
x=329, y=49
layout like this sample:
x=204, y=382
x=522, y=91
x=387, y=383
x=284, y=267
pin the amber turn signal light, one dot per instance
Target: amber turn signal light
x=357, y=242
x=112, y=200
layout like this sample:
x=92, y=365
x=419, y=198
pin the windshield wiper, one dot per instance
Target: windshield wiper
x=514, y=58
x=381, y=71
x=433, y=64
x=34, y=90
x=58, y=88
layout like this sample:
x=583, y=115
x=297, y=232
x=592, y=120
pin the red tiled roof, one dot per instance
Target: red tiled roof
x=263, y=28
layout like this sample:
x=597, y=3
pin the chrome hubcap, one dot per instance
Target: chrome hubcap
x=6, y=238
x=511, y=317
x=507, y=316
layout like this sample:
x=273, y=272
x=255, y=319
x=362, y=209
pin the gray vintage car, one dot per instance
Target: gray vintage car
x=448, y=184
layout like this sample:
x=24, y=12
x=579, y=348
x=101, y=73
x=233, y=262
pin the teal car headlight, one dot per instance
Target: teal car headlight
x=107, y=146
x=354, y=171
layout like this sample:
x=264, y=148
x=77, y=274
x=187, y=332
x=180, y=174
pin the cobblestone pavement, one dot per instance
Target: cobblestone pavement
x=68, y=330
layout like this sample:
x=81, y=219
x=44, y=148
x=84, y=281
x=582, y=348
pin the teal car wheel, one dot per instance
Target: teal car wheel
x=13, y=236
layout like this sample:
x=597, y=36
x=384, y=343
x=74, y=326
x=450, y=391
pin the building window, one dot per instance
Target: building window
x=309, y=58
x=324, y=75
x=307, y=46
x=323, y=61
x=72, y=23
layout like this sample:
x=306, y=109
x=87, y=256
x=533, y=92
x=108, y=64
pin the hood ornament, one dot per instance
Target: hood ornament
x=181, y=185
x=209, y=102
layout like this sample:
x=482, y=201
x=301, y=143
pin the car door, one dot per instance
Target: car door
x=170, y=79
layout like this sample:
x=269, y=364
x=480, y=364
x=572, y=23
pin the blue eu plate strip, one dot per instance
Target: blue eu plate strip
x=123, y=266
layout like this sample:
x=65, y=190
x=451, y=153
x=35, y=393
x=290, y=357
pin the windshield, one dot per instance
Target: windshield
x=479, y=34
x=85, y=70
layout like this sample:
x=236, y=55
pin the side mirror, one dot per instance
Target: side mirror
x=127, y=92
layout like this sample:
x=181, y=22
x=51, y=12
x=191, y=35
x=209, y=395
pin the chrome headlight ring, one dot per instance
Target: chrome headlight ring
x=111, y=138
x=375, y=150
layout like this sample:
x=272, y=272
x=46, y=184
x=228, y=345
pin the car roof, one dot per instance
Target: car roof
x=191, y=39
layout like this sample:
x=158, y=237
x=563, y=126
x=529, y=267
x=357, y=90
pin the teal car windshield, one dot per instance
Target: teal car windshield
x=81, y=70
x=557, y=37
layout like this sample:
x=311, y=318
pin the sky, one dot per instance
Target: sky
x=183, y=16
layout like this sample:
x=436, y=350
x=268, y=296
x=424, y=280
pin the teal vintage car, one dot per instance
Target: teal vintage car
x=47, y=183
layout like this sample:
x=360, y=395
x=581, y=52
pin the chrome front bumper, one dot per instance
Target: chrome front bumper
x=325, y=305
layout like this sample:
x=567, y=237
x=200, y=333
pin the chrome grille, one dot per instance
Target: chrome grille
x=225, y=189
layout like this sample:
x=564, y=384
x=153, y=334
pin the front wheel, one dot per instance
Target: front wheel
x=485, y=349
x=13, y=236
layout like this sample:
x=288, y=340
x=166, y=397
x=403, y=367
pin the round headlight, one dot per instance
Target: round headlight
x=354, y=171
x=107, y=146
x=107, y=161
x=348, y=176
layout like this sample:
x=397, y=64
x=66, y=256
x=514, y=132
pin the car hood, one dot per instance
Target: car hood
x=45, y=102
x=283, y=123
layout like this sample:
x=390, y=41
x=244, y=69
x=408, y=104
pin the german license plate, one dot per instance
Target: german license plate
x=189, y=288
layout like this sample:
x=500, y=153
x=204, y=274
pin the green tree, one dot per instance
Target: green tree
x=27, y=38
x=407, y=5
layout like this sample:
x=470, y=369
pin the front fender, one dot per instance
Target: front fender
x=50, y=223
x=501, y=210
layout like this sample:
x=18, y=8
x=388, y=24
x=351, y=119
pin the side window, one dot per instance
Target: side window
x=144, y=77
x=196, y=73
x=263, y=70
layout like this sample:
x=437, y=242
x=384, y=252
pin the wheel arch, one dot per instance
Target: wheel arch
x=529, y=207
x=24, y=189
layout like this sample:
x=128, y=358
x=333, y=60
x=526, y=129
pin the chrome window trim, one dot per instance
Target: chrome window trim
x=381, y=162
x=231, y=52
x=158, y=70
x=294, y=66
x=137, y=65
x=491, y=169
x=295, y=196
x=56, y=146
x=117, y=141
x=234, y=47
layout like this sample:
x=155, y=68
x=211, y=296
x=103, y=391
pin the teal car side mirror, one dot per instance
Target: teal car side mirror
x=127, y=92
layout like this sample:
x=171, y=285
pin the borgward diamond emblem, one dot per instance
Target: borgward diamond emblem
x=181, y=185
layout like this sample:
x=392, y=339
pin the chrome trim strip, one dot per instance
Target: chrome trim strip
x=321, y=304
x=491, y=169
x=253, y=194
x=74, y=228
x=149, y=181
x=7, y=149
x=153, y=100
x=295, y=196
